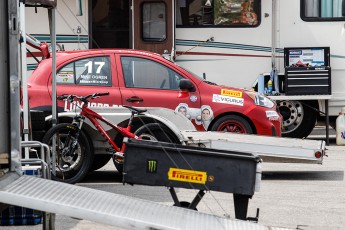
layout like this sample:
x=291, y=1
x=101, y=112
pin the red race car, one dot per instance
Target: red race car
x=145, y=79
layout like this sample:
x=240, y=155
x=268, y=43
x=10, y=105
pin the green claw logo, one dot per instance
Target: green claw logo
x=151, y=166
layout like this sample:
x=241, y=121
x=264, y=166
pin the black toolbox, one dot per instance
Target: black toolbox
x=173, y=165
x=307, y=71
x=308, y=81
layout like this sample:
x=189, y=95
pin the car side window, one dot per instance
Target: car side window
x=88, y=71
x=145, y=73
x=66, y=75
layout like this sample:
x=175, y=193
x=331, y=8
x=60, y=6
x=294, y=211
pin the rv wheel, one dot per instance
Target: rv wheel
x=299, y=118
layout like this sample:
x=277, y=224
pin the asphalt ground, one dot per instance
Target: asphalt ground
x=300, y=196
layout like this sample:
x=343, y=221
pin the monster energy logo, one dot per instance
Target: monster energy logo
x=151, y=166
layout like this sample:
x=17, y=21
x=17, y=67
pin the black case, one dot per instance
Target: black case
x=148, y=163
x=311, y=80
x=308, y=81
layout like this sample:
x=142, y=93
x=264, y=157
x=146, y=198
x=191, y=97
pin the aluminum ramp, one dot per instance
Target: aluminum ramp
x=270, y=149
x=112, y=209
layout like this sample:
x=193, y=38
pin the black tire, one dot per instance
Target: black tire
x=232, y=123
x=70, y=169
x=37, y=120
x=99, y=161
x=153, y=132
x=299, y=118
x=38, y=135
x=156, y=132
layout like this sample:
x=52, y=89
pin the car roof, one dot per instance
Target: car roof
x=106, y=51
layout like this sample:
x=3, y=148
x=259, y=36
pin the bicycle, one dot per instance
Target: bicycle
x=73, y=152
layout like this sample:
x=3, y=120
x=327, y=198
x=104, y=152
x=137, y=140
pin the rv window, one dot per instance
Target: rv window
x=323, y=10
x=154, y=21
x=218, y=13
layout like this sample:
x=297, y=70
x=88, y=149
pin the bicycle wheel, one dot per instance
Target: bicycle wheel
x=73, y=154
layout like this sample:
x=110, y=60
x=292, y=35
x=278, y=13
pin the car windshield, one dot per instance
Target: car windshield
x=196, y=75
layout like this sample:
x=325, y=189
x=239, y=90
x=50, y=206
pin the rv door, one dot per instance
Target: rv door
x=153, y=25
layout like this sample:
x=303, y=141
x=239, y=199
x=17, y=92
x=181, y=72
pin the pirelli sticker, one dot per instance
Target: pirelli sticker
x=190, y=176
x=231, y=93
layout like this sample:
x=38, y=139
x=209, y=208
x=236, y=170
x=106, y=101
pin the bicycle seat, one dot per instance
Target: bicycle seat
x=137, y=110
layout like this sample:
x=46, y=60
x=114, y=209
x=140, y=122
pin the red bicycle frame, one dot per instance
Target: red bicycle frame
x=94, y=117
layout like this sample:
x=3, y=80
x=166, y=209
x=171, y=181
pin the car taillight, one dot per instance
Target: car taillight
x=318, y=154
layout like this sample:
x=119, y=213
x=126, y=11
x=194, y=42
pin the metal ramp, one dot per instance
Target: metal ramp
x=109, y=208
x=270, y=149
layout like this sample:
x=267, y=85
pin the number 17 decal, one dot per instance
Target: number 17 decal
x=90, y=64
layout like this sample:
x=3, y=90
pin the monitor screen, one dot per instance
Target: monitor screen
x=306, y=56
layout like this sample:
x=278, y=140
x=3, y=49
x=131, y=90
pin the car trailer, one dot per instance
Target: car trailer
x=205, y=169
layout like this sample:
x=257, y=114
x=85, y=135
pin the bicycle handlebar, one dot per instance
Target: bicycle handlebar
x=70, y=97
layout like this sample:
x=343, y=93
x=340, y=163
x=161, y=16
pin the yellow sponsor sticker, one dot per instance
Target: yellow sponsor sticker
x=184, y=175
x=231, y=93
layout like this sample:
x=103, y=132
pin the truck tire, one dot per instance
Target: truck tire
x=298, y=118
x=70, y=169
x=153, y=132
x=232, y=123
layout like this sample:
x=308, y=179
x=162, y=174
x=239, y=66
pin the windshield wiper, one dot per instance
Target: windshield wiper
x=210, y=82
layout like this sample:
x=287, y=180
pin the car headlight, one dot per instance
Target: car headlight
x=260, y=99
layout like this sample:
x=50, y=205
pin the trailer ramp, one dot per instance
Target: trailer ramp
x=109, y=208
x=270, y=149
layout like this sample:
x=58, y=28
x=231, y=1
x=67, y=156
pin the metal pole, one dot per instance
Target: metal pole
x=24, y=77
x=4, y=71
x=54, y=103
x=274, y=31
x=13, y=86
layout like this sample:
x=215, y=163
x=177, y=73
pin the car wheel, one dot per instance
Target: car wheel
x=37, y=120
x=152, y=132
x=233, y=124
x=155, y=132
x=298, y=118
x=99, y=161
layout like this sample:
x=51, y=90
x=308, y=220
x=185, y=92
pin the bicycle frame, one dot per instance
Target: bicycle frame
x=94, y=117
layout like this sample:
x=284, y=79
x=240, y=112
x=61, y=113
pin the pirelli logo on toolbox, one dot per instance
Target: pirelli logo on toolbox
x=184, y=175
x=231, y=93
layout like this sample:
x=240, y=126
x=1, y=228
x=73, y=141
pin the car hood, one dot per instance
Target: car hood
x=227, y=90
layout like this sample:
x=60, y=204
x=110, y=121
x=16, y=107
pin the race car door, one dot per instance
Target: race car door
x=148, y=82
x=153, y=25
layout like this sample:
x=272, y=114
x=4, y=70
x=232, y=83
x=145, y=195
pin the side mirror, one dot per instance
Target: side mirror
x=186, y=85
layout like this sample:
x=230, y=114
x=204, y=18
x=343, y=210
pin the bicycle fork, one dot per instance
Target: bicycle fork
x=76, y=125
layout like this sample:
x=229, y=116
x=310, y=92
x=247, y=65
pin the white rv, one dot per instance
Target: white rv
x=230, y=42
